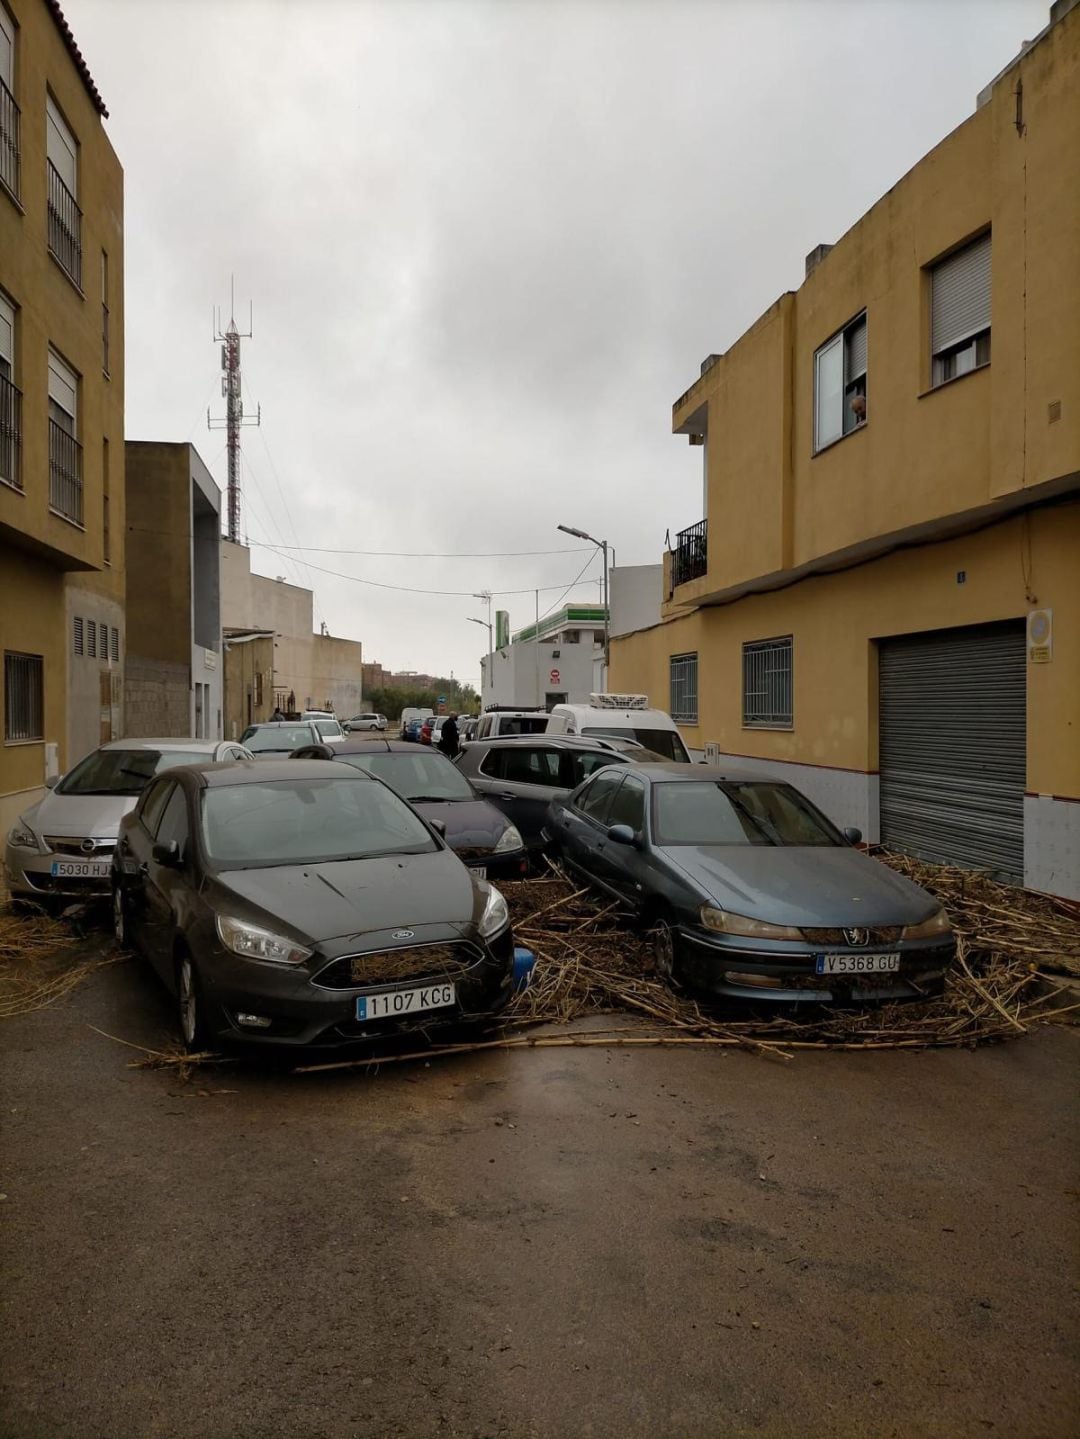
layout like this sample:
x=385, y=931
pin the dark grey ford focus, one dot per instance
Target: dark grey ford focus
x=297, y=903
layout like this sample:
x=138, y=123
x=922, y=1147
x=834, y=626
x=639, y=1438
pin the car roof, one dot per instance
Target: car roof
x=686, y=772
x=559, y=741
x=258, y=771
x=379, y=746
x=275, y=724
x=188, y=745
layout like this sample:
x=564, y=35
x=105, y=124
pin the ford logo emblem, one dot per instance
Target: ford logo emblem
x=403, y=934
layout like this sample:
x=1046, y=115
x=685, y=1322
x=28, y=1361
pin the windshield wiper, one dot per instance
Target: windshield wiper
x=770, y=834
x=433, y=798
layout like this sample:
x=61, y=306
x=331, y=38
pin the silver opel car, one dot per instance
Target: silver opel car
x=63, y=846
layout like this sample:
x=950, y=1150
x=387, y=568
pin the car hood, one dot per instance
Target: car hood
x=470, y=823
x=814, y=886
x=95, y=815
x=351, y=898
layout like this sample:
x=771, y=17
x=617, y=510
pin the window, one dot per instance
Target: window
x=9, y=111
x=840, y=384
x=65, y=452
x=585, y=764
x=77, y=635
x=106, y=540
x=91, y=639
x=258, y=687
x=103, y=641
x=154, y=802
x=684, y=689
x=114, y=645
x=174, y=820
x=24, y=705
x=105, y=314
x=64, y=215
x=10, y=400
x=960, y=312
x=596, y=796
x=628, y=806
x=767, y=692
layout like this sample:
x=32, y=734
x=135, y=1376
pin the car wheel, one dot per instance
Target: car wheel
x=120, y=918
x=665, y=949
x=189, y=1007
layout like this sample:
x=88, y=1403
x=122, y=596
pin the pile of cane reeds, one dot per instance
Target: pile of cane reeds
x=39, y=961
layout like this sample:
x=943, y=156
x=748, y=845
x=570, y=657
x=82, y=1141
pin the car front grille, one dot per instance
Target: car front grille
x=50, y=884
x=73, y=845
x=875, y=934
x=474, y=854
x=399, y=966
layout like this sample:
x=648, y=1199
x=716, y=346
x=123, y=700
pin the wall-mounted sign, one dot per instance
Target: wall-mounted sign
x=209, y=659
x=1040, y=636
x=554, y=677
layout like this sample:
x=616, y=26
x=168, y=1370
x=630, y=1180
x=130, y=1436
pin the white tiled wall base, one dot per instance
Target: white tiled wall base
x=1052, y=845
x=847, y=796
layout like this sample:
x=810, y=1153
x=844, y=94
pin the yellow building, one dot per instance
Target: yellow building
x=882, y=601
x=61, y=406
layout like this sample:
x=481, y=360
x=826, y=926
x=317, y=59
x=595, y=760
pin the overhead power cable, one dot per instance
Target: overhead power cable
x=437, y=554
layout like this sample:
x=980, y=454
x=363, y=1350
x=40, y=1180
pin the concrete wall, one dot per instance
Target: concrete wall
x=336, y=674
x=522, y=674
x=636, y=593
x=37, y=547
x=248, y=683
x=157, y=698
x=95, y=681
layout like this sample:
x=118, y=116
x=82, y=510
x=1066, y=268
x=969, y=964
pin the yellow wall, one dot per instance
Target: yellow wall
x=37, y=547
x=834, y=621
x=158, y=480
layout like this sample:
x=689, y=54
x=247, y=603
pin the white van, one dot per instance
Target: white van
x=621, y=717
x=499, y=721
x=412, y=713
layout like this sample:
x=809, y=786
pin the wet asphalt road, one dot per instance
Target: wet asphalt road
x=569, y=1242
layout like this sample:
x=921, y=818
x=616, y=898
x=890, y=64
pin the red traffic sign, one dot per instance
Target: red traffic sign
x=554, y=677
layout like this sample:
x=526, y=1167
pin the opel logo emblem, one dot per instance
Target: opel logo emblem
x=857, y=937
x=88, y=846
x=403, y=934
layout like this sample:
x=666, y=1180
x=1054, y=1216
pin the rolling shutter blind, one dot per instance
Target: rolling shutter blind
x=856, y=351
x=954, y=746
x=961, y=296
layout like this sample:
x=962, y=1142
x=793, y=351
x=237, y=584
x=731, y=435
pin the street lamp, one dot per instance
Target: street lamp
x=491, y=646
x=600, y=545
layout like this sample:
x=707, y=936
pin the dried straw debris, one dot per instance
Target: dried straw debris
x=41, y=961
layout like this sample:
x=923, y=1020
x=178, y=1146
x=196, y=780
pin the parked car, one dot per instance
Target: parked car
x=410, y=729
x=426, y=730
x=63, y=846
x=498, y=721
x=410, y=713
x=749, y=890
x=327, y=723
x=367, y=721
x=475, y=830
x=522, y=774
x=621, y=716
x=280, y=737
x=467, y=728
x=298, y=902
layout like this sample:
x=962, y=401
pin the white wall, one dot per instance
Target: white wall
x=636, y=592
x=521, y=674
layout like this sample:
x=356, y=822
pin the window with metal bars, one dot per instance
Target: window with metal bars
x=77, y=635
x=24, y=704
x=840, y=384
x=683, y=689
x=767, y=686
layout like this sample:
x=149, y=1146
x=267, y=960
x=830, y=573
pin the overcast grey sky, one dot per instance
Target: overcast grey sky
x=488, y=244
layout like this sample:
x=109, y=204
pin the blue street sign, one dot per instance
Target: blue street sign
x=442, y=699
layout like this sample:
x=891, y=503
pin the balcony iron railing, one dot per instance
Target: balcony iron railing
x=10, y=433
x=65, y=225
x=65, y=474
x=9, y=140
x=690, y=557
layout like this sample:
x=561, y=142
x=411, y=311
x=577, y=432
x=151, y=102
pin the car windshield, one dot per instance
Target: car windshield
x=416, y=776
x=276, y=737
x=524, y=724
x=307, y=821
x=328, y=727
x=663, y=742
x=124, y=771
x=709, y=812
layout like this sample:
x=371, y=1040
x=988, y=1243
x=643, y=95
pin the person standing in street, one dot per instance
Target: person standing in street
x=448, y=737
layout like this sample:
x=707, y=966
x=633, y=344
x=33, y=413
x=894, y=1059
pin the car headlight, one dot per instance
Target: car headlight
x=23, y=836
x=496, y=916
x=252, y=942
x=722, y=921
x=508, y=840
x=938, y=923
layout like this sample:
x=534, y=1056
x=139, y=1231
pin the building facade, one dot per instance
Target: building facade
x=173, y=677
x=62, y=634
x=882, y=600
x=309, y=670
x=560, y=660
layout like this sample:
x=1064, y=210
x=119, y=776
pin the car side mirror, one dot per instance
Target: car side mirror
x=853, y=835
x=53, y=781
x=439, y=826
x=168, y=855
x=623, y=834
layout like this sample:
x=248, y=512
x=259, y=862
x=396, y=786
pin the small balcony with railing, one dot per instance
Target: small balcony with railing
x=10, y=434
x=10, y=158
x=65, y=226
x=690, y=554
x=65, y=474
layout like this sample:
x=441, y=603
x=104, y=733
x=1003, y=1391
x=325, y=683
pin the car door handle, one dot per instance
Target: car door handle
x=508, y=796
x=144, y=869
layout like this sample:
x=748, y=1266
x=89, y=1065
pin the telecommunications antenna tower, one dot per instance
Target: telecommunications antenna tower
x=234, y=419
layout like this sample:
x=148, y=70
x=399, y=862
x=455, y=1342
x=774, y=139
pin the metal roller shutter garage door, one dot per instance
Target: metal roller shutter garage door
x=954, y=745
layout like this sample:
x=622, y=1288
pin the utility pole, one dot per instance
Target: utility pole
x=234, y=419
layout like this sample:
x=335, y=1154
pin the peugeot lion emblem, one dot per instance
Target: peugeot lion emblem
x=857, y=937
x=403, y=934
